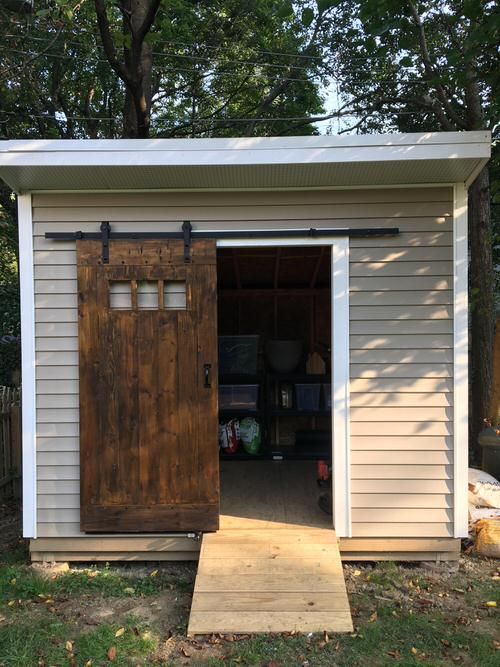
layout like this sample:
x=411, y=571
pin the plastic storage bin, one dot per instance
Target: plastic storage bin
x=327, y=394
x=307, y=396
x=238, y=396
x=238, y=355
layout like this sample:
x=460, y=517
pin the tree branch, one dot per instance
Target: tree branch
x=108, y=44
x=282, y=85
x=145, y=26
x=41, y=53
x=430, y=71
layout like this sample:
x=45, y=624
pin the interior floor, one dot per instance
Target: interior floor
x=270, y=494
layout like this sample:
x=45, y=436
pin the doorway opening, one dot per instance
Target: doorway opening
x=275, y=424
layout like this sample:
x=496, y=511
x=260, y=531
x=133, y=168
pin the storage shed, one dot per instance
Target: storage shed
x=137, y=257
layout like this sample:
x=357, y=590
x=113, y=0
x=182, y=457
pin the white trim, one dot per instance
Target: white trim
x=27, y=363
x=475, y=172
x=340, y=388
x=199, y=154
x=460, y=362
x=262, y=162
x=288, y=188
x=340, y=364
x=273, y=242
x=388, y=140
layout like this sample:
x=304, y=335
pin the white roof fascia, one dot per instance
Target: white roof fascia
x=241, y=152
x=240, y=163
x=239, y=143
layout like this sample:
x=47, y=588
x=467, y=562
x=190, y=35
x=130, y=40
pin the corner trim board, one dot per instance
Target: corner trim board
x=340, y=388
x=460, y=361
x=28, y=396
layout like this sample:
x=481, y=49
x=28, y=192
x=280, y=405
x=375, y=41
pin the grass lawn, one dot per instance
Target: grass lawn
x=137, y=615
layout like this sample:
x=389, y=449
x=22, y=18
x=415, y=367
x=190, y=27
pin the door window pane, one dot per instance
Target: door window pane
x=120, y=295
x=174, y=295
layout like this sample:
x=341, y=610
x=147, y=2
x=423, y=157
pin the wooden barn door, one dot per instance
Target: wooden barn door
x=148, y=387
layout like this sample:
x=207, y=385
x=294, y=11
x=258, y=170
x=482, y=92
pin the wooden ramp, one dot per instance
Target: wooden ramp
x=264, y=580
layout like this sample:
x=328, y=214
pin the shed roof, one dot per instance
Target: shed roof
x=244, y=163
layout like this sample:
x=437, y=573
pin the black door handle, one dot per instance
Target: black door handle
x=206, y=374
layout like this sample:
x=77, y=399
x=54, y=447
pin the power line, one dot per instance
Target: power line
x=221, y=48
x=204, y=59
x=215, y=48
x=165, y=69
x=188, y=119
x=322, y=76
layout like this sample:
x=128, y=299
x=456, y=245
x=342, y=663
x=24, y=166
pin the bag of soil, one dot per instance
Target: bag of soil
x=250, y=435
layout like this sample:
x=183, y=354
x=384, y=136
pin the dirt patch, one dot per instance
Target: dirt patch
x=165, y=614
x=10, y=527
x=459, y=591
x=167, y=611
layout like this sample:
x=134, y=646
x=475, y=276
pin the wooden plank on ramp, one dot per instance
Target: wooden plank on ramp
x=252, y=581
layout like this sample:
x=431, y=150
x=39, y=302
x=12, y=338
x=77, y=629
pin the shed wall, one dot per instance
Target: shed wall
x=401, y=323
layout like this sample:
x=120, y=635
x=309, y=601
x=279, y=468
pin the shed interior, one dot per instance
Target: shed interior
x=274, y=406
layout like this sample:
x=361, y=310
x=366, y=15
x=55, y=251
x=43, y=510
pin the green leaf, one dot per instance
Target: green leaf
x=285, y=10
x=307, y=16
x=406, y=62
x=323, y=5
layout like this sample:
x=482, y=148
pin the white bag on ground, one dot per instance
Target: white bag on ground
x=484, y=489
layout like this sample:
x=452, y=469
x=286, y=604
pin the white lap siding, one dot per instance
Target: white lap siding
x=401, y=328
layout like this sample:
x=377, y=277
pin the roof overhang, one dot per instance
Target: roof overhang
x=244, y=163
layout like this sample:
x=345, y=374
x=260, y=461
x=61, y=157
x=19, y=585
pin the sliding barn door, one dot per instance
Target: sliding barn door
x=148, y=387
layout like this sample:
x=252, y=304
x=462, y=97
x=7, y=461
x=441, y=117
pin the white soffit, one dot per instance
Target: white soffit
x=269, y=162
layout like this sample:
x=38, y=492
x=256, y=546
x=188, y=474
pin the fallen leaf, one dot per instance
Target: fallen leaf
x=13, y=582
x=154, y=573
x=394, y=654
x=423, y=601
x=111, y=653
x=69, y=646
x=120, y=632
x=49, y=601
x=356, y=573
x=2, y=618
x=491, y=603
x=185, y=653
x=373, y=617
x=129, y=590
x=88, y=663
x=11, y=603
x=414, y=650
x=326, y=637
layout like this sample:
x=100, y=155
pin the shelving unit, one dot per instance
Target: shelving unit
x=278, y=293
x=270, y=415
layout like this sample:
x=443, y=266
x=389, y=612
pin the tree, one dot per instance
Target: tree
x=418, y=66
x=135, y=68
x=215, y=68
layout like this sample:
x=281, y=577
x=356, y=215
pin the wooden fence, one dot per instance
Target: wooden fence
x=10, y=443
